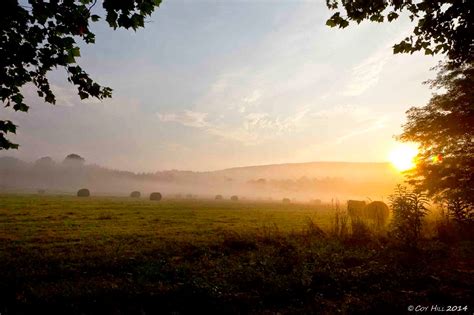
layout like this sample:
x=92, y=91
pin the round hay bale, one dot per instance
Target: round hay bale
x=355, y=208
x=135, y=194
x=234, y=198
x=378, y=212
x=155, y=196
x=84, y=192
x=286, y=200
x=218, y=197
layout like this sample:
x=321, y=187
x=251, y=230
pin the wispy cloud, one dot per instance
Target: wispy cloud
x=250, y=128
x=373, y=125
x=187, y=118
x=279, y=124
x=366, y=74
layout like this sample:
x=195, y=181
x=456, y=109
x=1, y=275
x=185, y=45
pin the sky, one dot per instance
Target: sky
x=212, y=85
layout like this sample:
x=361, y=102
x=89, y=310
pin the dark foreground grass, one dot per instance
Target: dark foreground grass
x=48, y=267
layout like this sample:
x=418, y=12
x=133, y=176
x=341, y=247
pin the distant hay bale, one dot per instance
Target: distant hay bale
x=41, y=191
x=155, y=196
x=286, y=200
x=218, y=197
x=135, y=194
x=355, y=208
x=84, y=192
x=378, y=212
x=234, y=198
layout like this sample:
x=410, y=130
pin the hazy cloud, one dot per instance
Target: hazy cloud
x=366, y=74
x=186, y=118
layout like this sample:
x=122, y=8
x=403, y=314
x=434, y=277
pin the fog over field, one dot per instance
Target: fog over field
x=298, y=181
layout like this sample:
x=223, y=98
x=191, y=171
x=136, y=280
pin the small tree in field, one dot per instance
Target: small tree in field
x=409, y=208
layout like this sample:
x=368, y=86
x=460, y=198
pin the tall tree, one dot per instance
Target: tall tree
x=441, y=26
x=38, y=36
x=444, y=129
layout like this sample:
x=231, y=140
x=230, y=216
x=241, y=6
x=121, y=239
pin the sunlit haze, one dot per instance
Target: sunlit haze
x=403, y=156
x=211, y=85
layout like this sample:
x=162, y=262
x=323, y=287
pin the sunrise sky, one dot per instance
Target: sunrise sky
x=210, y=85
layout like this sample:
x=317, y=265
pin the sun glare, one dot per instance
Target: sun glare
x=403, y=157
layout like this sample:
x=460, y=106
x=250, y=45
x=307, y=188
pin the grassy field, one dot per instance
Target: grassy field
x=69, y=255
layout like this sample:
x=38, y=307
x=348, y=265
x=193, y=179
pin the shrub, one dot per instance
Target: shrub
x=84, y=192
x=135, y=194
x=360, y=230
x=218, y=197
x=445, y=229
x=234, y=198
x=155, y=196
x=462, y=212
x=409, y=208
x=339, y=224
x=312, y=229
x=41, y=191
x=286, y=200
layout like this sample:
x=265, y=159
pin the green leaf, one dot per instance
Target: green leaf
x=392, y=16
x=50, y=98
x=95, y=18
x=331, y=23
x=75, y=51
x=7, y=126
x=17, y=98
x=22, y=107
x=83, y=95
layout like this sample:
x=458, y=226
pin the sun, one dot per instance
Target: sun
x=403, y=156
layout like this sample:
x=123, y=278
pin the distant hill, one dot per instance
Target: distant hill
x=302, y=181
x=352, y=171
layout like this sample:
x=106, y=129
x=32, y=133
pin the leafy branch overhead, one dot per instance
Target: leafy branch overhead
x=444, y=27
x=37, y=37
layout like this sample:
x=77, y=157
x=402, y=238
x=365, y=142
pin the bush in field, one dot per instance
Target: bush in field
x=286, y=200
x=135, y=194
x=462, y=213
x=189, y=196
x=218, y=197
x=41, y=191
x=360, y=230
x=155, y=196
x=84, y=192
x=445, y=228
x=339, y=224
x=234, y=198
x=409, y=208
x=312, y=229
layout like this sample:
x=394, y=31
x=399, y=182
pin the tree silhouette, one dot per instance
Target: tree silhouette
x=441, y=26
x=74, y=159
x=40, y=36
x=444, y=129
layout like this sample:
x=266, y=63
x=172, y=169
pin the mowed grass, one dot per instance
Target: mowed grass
x=114, y=255
x=46, y=220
